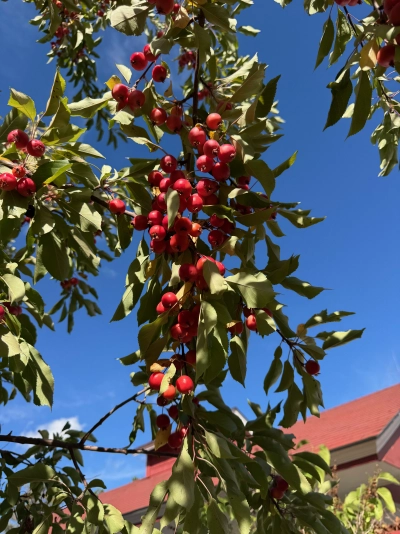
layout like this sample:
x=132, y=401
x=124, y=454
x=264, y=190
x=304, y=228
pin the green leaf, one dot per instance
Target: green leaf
x=256, y=291
x=299, y=219
x=341, y=90
x=249, y=30
x=285, y=165
x=362, y=107
x=260, y=170
x=323, y=317
x=16, y=287
x=212, y=276
x=251, y=85
x=287, y=377
x=203, y=43
x=172, y=199
x=241, y=512
x=275, y=370
x=130, y=20
x=181, y=483
x=83, y=150
x=49, y=171
x=336, y=339
x=217, y=521
x=56, y=93
x=219, y=16
x=113, y=519
x=387, y=497
x=325, y=45
x=267, y=98
x=94, y=510
x=88, y=107
x=314, y=459
x=14, y=120
x=301, y=288
x=37, y=473
x=136, y=279
x=237, y=361
x=218, y=446
x=389, y=477
x=157, y=498
x=292, y=406
x=54, y=256
x=23, y=103
x=43, y=380
x=343, y=36
x=126, y=72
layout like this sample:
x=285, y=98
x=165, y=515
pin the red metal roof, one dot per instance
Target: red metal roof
x=351, y=422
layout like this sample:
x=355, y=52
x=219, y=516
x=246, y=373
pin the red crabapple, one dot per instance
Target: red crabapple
x=214, y=121
x=312, y=367
x=26, y=187
x=165, y=7
x=155, y=178
x=184, y=384
x=183, y=186
x=149, y=54
x=226, y=153
x=158, y=116
x=155, y=380
x=140, y=222
x=169, y=299
x=175, y=440
x=221, y=171
x=158, y=247
x=159, y=73
x=136, y=99
x=236, y=329
x=162, y=421
x=195, y=203
x=251, y=322
x=168, y=163
x=138, y=61
x=154, y=217
x=188, y=272
x=197, y=136
x=157, y=232
x=174, y=123
x=19, y=138
x=196, y=230
x=120, y=92
x=8, y=182
x=385, y=55
x=204, y=163
x=216, y=238
x=206, y=187
x=211, y=148
x=35, y=148
x=117, y=206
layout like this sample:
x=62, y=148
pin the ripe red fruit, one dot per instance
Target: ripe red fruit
x=140, y=222
x=221, y=171
x=228, y=227
x=19, y=171
x=185, y=384
x=160, y=33
x=385, y=55
x=157, y=232
x=176, y=8
x=179, y=242
x=176, y=110
x=165, y=7
x=224, y=106
x=388, y=5
x=188, y=272
x=195, y=203
x=136, y=99
x=183, y=186
x=26, y=187
x=183, y=225
x=169, y=299
x=197, y=136
x=117, y=206
x=138, y=61
x=158, y=116
x=168, y=163
x=155, y=217
x=216, y=221
x=186, y=319
x=202, y=261
x=100, y=13
x=170, y=392
x=204, y=164
x=158, y=246
x=190, y=357
x=19, y=137
x=251, y=322
x=162, y=401
x=35, y=148
x=214, y=121
x=15, y=310
x=155, y=178
x=267, y=311
x=196, y=230
x=8, y=182
x=177, y=332
x=226, y=153
x=164, y=184
x=312, y=367
x=162, y=421
x=173, y=411
x=176, y=175
x=211, y=148
x=211, y=200
x=182, y=204
x=149, y=54
x=120, y=92
x=342, y=2
x=206, y=187
x=281, y=483
x=183, y=431
x=243, y=180
x=155, y=381
x=174, y=123
x=2, y=313
x=216, y=238
x=175, y=440
x=159, y=73
x=236, y=329
x=161, y=202
x=276, y=493
x=160, y=308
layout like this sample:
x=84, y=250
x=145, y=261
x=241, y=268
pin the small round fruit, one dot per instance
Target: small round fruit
x=251, y=322
x=165, y=7
x=8, y=182
x=19, y=171
x=140, y=222
x=179, y=242
x=183, y=186
x=120, y=92
x=26, y=187
x=204, y=164
x=158, y=116
x=159, y=73
x=226, y=153
x=35, y=148
x=162, y=401
x=138, y=61
x=185, y=384
x=216, y=238
x=195, y=203
x=221, y=171
x=19, y=138
x=206, y=187
x=211, y=148
x=169, y=299
x=385, y=56
x=236, y=329
x=164, y=184
x=228, y=227
x=160, y=308
x=214, y=121
x=197, y=136
x=161, y=202
x=175, y=440
x=182, y=225
x=2, y=313
x=174, y=123
x=136, y=99
x=216, y=221
x=155, y=217
x=155, y=178
x=277, y=494
x=177, y=175
x=196, y=230
x=168, y=163
x=155, y=381
x=388, y=5
x=177, y=332
x=149, y=54
x=162, y=421
x=117, y=206
x=157, y=232
x=224, y=106
x=170, y=392
x=211, y=200
x=158, y=247
x=173, y=411
x=190, y=357
x=312, y=367
x=176, y=110
x=281, y=483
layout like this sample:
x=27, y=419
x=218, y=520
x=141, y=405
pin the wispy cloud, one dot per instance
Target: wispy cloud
x=56, y=426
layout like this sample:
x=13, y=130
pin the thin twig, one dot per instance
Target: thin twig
x=143, y=75
x=196, y=80
x=82, y=476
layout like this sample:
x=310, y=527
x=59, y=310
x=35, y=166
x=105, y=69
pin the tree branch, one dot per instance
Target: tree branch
x=60, y=444
x=113, y=410
x=196, y=80
x=134, y=86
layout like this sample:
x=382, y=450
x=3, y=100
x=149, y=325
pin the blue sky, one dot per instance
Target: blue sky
x=354, y=252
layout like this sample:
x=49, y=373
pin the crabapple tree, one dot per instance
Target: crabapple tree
x=203, y=282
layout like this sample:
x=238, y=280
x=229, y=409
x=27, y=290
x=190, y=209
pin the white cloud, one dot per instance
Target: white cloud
x=56, y=426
